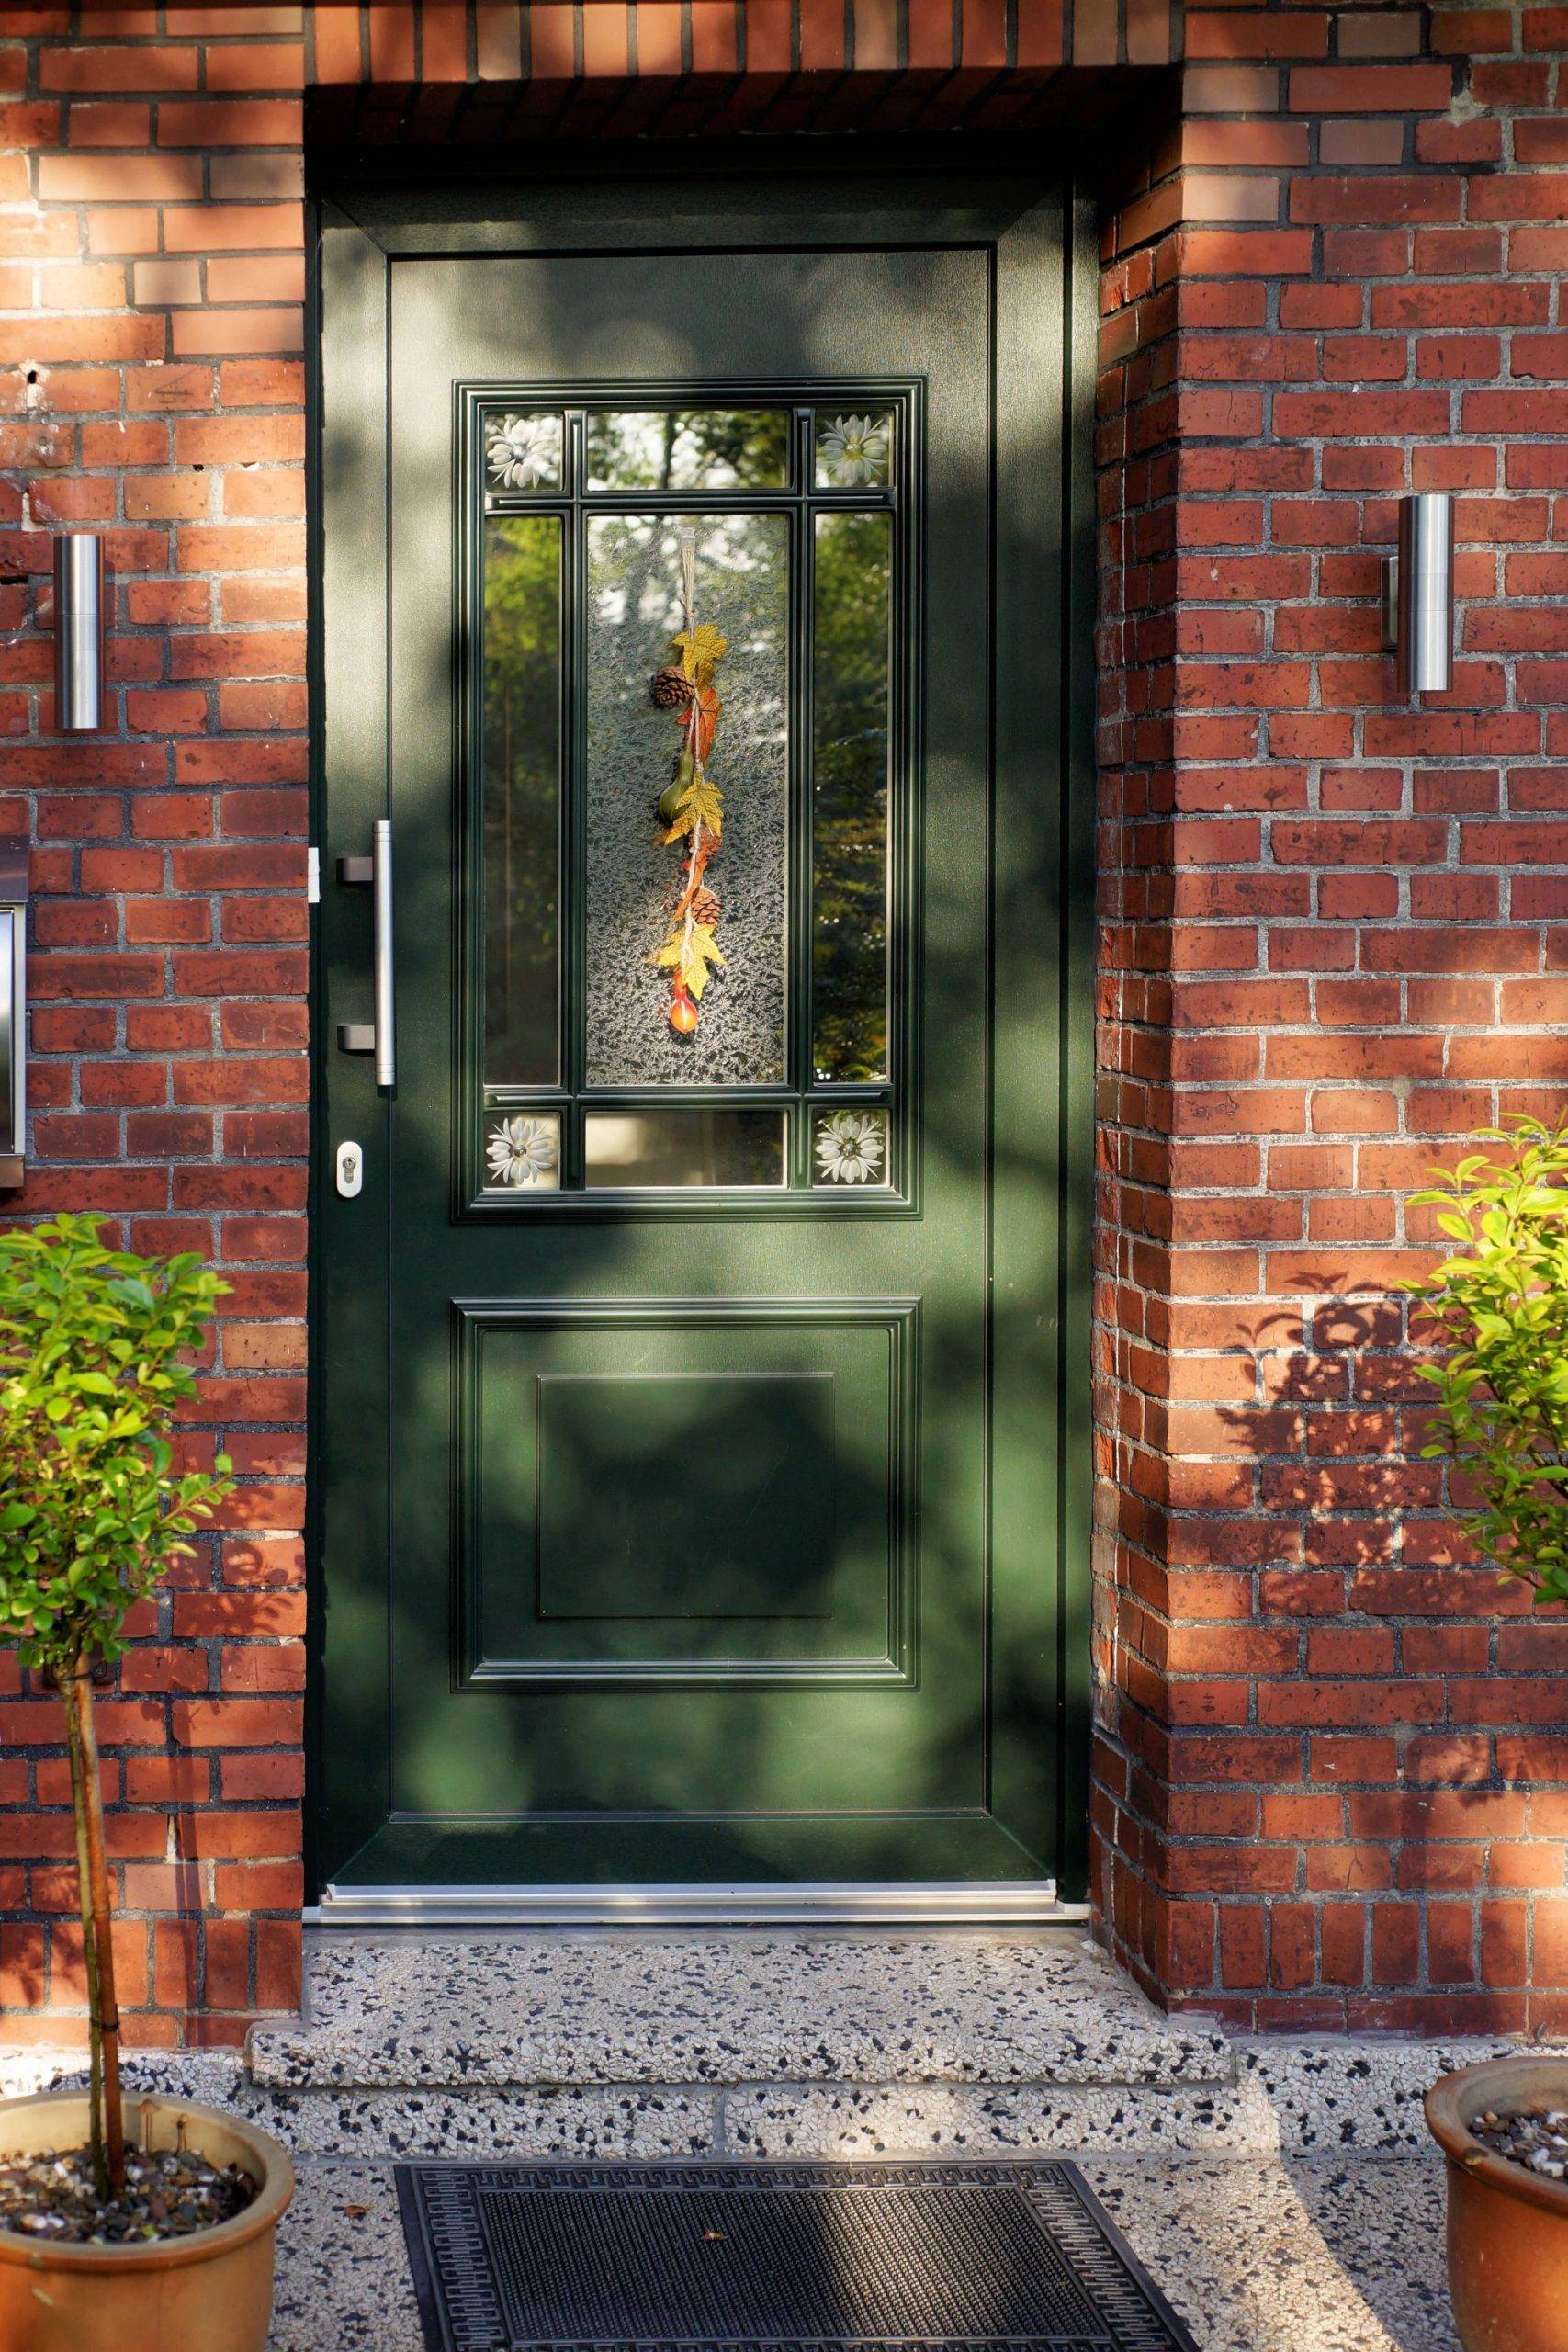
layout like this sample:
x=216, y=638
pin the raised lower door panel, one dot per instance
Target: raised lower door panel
x=634, y=1525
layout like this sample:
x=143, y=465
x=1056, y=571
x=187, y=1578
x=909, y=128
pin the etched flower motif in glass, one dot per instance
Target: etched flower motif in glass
x=852, y=1148
x=854, y=452
x=524, y=452
x=524, y=1153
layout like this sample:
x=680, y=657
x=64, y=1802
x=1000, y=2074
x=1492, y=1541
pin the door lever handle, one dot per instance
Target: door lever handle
x=359, y=1036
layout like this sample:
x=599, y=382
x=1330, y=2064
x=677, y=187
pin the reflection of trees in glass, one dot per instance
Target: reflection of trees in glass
x=849, y=929
x=521, y=756
x=704, y=448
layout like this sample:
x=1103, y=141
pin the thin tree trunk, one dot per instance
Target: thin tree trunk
x=70, y=1685
x=107, y=2008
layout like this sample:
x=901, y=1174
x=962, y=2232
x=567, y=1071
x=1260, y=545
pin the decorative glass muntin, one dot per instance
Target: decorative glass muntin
x=523, y=1149
x=849, y=1145
x=876, y=1076
x=853, y=449
x=523, y=451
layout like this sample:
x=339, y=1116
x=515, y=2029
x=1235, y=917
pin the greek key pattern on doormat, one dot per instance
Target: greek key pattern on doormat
x=774, y=2257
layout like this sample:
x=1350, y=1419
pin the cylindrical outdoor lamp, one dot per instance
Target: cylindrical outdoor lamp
x=78, y=632
x=12, y=1013
x=1424, y=626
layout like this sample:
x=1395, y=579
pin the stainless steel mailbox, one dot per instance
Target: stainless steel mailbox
x=13, y=1012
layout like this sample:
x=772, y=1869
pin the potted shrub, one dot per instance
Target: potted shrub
x=169, y=2240
x=1498, y=1311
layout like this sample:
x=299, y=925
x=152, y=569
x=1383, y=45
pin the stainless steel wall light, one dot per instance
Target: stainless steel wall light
x=13, y=1012
x=79, y=612
x=1418, y=594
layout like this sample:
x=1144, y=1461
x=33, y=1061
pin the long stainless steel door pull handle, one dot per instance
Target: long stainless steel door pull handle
x=381, y=884
x=362, y=1036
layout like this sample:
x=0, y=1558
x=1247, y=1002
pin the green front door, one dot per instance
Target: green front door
x=691, y=1339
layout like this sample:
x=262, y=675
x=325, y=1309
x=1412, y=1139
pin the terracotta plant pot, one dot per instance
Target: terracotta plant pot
x=208, y=2292
x=1508, y=2227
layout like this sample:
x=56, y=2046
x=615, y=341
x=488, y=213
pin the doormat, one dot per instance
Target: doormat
x=731, y=2257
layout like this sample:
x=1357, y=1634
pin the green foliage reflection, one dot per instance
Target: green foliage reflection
x=849, y=736
x=521, y=748
x=704, y=448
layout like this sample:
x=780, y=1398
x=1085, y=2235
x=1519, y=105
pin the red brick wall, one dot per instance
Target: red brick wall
x=1333, y=1769
x=1327, y=1763
x=151, y=384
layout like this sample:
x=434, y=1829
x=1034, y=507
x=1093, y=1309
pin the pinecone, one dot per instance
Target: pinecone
x=704, y=907
x=672, y=690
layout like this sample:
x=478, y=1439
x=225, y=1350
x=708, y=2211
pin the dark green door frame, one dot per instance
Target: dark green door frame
x=1040, y=1303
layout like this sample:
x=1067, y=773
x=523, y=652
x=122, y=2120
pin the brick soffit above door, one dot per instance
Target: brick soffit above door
x=495, y=69
x=502, y=40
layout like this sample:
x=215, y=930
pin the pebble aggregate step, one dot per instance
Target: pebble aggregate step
x=450, y=2011
x=584, y=2044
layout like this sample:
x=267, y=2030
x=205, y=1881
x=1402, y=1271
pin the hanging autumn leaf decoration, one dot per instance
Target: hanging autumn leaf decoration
x=692, y=806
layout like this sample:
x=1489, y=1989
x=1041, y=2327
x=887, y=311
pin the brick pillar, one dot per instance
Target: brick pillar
x=1331, y=1766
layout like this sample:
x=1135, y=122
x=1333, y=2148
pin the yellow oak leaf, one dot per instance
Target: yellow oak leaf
x=703, y=803
x=691, y=953
x=700, y=951
x=699, y=649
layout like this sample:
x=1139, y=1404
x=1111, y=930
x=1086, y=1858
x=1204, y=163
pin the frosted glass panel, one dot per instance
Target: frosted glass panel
x=521, y=725
x=637, y=733
x=706, y=448
x=851, y=703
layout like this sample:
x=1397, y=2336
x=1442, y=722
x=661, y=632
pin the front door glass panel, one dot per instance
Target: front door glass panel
x=689, y=779
x=687, y=448
x=850, y=720
x=648, y=1149
x=739, y=566
x=520, y=749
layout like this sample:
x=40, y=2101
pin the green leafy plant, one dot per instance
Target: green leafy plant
x=94, y=1348
x=1498, y=1311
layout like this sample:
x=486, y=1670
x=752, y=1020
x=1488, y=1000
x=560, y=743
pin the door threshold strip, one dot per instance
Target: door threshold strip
x=958, y=1903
